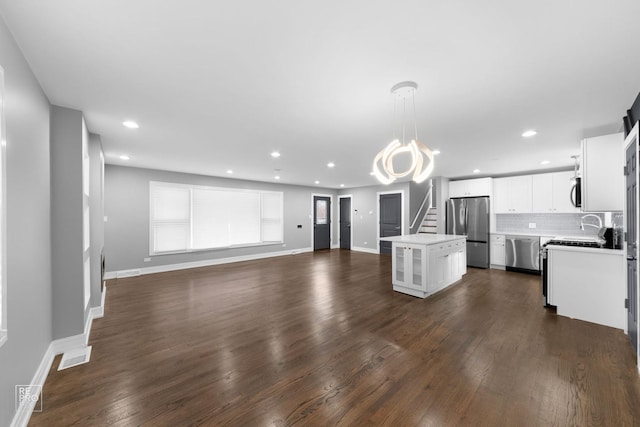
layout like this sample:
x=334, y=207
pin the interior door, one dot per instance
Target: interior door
x=632, y=238
x=321, y=222
x=345, y=223
x=390, y=219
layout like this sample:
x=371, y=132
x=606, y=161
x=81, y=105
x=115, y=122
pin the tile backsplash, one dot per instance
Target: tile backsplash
x=556, y=224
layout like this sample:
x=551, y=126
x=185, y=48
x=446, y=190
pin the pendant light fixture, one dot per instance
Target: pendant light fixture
x=421, y=156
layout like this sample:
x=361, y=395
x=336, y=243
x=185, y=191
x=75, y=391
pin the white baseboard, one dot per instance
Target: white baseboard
x=367, y=250
x=98, y=312
x=59, y=346
x=128, y=273
x=23, y=413
x=204, y=263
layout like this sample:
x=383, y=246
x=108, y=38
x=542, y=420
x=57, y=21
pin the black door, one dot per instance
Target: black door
x=390, y=219
x=632, y=236
x=321, y=222
x=345, y=223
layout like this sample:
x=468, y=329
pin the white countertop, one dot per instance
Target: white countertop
x=423, y=238
x=520, y=233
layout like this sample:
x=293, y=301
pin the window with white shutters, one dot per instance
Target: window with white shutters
x=186, y=218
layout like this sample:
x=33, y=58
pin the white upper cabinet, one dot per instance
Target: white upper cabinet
x=602, y=173
x=512, y=194
x=470, y=187
x=551, y=193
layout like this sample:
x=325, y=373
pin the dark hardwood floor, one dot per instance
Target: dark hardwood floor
x=321, y=339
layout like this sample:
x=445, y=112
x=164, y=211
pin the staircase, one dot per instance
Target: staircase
x=428, y=225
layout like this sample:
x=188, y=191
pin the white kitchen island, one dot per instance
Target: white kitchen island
x=427, y=263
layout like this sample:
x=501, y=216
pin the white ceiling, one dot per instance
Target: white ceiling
x=219, y=85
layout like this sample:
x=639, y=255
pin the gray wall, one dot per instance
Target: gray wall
x=66, y=220
x=28, y=225
x=127, y=212
x=96, y=211
x=365, y=221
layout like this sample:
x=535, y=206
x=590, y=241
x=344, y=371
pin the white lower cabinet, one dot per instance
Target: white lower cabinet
x=497, y=250
x=439, y=269
x=421, y=270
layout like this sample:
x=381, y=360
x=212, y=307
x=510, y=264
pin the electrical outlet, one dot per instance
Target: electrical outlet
x=146, y=259
x=532, y=225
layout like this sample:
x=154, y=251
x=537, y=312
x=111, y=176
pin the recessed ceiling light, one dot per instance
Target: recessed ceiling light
x=529, y=133
x=275, y=154
x=331, y=165
x=545, y=162
x=341, y=185
x=476, y=171
x=371, y=173
x=276, y=177
x=124, y=157
x=317, y=182
x=436, y=152
x=229, y=171
x=130, y=124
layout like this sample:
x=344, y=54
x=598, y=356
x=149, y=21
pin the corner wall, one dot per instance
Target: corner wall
x=67, y=222
x=96, y=210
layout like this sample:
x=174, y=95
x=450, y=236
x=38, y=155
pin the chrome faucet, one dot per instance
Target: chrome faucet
x=582, y=223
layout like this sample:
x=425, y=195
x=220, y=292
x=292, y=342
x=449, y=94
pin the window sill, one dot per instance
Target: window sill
x=3, y=337
x=222, y=248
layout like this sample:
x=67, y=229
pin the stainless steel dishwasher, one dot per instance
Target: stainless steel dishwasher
x=522, y=254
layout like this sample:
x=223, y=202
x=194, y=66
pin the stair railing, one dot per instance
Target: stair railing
x=428, y=197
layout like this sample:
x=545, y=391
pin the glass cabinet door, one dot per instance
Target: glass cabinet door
x=417, y=254
x=399, y=262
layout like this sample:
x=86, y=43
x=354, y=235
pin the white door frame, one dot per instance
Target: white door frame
x=402, y=230
x=346, y=196
x=331, y=213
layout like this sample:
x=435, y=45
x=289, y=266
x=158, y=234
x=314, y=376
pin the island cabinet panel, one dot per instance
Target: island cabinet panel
x=588, y=284
x=425, y=267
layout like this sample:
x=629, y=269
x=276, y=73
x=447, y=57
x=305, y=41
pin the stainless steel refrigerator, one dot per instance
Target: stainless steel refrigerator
x=469, y=216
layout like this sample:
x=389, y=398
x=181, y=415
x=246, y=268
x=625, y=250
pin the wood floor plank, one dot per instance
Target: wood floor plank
x=321, y=339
